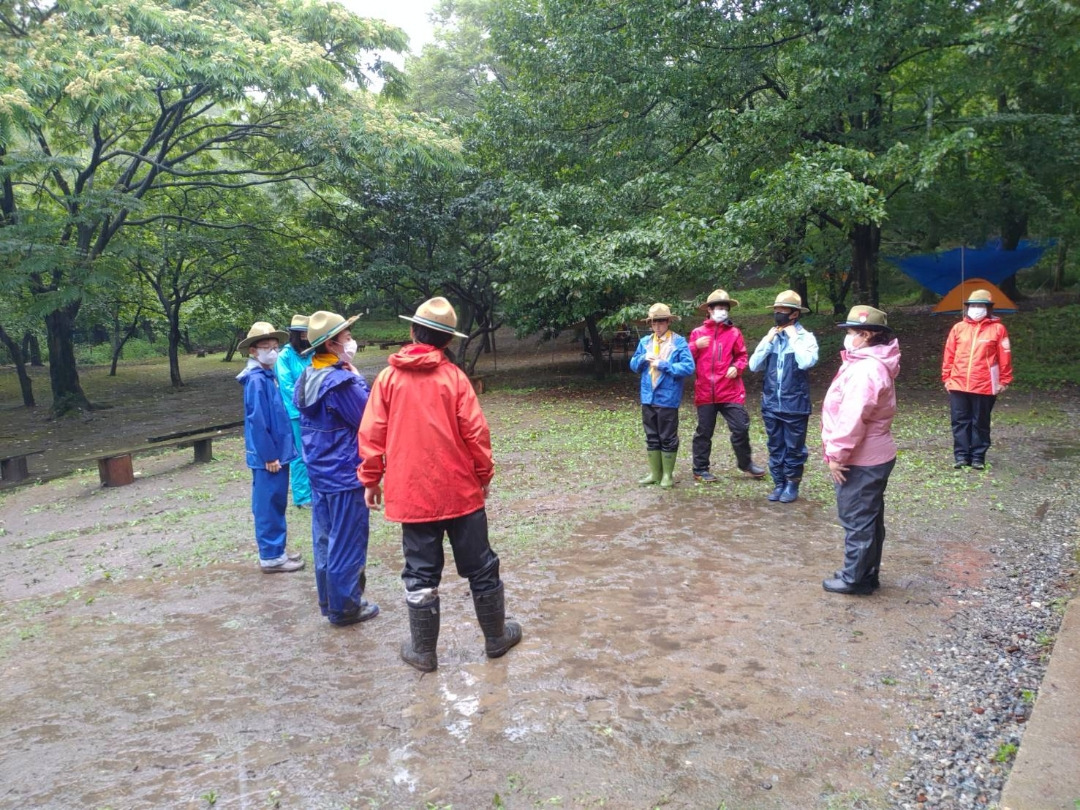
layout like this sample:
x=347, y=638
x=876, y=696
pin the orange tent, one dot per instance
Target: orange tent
x=954, y=299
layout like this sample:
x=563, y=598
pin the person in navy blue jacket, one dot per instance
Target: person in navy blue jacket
x=663, y=359
x=786, y=354
x=268, y=441
x=331, y=396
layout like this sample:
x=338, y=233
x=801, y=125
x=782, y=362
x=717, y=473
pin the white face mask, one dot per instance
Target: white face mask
x=849, y=341
x=348, y=349
x=718, y=315
x=266, y=356
x=976, y=313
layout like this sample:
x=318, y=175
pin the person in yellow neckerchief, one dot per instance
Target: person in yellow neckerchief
x=663, y=359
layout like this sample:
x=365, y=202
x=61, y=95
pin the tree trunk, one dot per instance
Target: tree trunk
x=865, y=241
x=19, y=359
x=800, y=286
x=597, y=347
x=1059, y=265
x=237, y=337
x=63, y=373
x=1013, y=229
x=32, y=348
x=175, y=338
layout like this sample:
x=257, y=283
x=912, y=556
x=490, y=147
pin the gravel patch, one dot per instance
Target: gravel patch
x=972, y=693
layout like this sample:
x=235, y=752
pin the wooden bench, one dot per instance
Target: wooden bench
x=114, y=466
x=13, y=467
x=389, y=344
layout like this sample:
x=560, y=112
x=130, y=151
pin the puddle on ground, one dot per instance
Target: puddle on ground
x=675, y=657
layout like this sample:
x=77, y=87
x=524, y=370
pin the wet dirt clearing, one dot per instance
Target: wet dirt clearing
x=679, y=651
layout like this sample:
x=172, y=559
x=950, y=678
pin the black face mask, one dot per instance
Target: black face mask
x=781, y=318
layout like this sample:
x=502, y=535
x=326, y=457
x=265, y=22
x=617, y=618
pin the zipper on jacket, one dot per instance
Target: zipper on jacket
x=971, y=354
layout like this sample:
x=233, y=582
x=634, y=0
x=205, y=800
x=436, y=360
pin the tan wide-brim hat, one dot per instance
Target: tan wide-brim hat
x=299, y=323
x=438, y=314
x=718, y=297
x=323, y=325
x=660, y=312
x=261, y=330
x=980, y=297
x=789, y=299
x=864, y=317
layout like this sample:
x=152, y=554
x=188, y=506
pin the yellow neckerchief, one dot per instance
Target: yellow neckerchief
x=324, y=360
x=658, y=342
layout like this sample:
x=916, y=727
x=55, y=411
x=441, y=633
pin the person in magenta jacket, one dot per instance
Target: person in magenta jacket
x=720, y=359
x=856, y=434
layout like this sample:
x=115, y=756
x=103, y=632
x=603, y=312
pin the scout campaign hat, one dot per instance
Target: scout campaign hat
x=299, y=323
x=864, y=317
x=660, y=312
x=323, y=325
x=438, y=314
x=980, y=297
x=719, y=297
x=789, y=299
x=261, y=330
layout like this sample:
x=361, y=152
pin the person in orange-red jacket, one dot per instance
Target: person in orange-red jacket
x=424, y=433
x=977, y=366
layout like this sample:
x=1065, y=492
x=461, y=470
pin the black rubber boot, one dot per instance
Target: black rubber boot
x=499, y=634
x=791, y=491
x=419, y=651
x=777, y=491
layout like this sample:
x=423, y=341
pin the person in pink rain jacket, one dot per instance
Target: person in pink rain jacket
x=856, y=433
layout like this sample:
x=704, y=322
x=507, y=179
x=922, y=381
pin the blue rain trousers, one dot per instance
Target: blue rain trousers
x=339, y=539
x=298, y=477
x=785, y=435
x=269, y=497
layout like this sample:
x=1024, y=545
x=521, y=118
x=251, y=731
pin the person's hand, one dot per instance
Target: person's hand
x=789, y=330
x=731, y=372
x=350, y=367
x=373, y=496
x=702, y=342
x=836, y=471
x=273, y=466
x=1003, y=389
x=487, y=490
x=654, y=360
x=770, y=336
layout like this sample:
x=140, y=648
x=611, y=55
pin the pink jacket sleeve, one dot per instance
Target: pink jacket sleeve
x=849, y=420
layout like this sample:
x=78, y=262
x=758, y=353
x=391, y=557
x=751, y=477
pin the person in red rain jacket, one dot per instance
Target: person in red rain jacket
x=720, y=356
x=423, y=433
x=977, y=366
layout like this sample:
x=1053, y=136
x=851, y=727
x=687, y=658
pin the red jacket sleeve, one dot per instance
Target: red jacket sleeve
x=474, y=431
x=950, y=356
x=1005, y=357
x=739, y=357
x=371, y=437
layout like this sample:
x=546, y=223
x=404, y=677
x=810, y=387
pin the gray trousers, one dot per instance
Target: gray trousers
x=860, y=505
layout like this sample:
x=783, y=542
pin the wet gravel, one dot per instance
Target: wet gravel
x=970, y=697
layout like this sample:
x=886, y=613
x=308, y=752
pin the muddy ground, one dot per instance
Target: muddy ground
x=679, y=651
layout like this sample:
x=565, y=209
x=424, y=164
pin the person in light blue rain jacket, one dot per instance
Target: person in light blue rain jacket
x=290, y=365
x=786, y=354
x=268, y=442
x=331, y=396
x=663, y=359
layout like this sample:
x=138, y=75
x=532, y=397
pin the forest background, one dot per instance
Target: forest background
x=171, y=171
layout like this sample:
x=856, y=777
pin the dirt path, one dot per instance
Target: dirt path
x=678, y=650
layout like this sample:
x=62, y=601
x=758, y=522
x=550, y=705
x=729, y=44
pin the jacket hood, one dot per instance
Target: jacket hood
x=887, y=354
x=252, y=366
x=316, y=382
x=418, y=357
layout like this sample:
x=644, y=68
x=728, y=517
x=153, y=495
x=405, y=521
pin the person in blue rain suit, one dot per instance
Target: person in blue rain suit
x=786, y=354
x=331, y=396
x=290, y=365
x=269, y=447
x=663, y=359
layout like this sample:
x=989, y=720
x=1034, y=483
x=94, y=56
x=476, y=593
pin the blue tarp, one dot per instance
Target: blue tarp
x=941, y=272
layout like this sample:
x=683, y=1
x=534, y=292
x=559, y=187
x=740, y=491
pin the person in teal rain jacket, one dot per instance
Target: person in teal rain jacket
x=786, y=354
x=663, y=359
x=269, y=447
x=290, y=365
